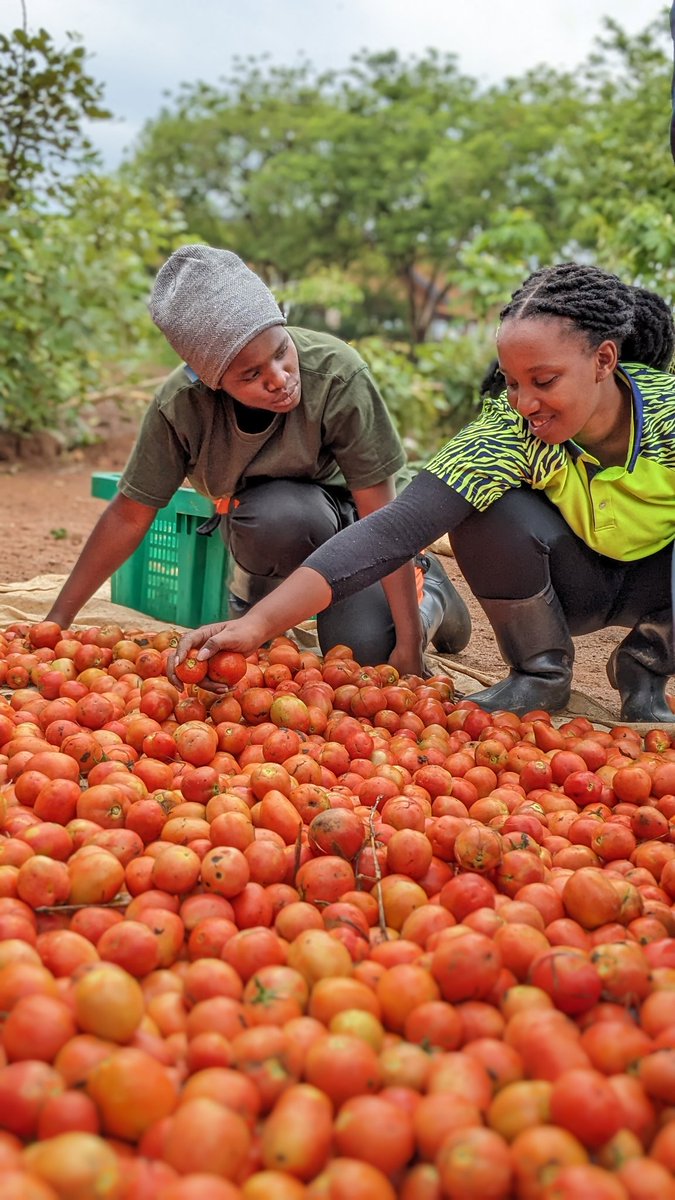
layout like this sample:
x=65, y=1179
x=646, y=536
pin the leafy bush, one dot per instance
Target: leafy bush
x=77, y=250
x=432, y=397
x=73, y=287
x=46, y=96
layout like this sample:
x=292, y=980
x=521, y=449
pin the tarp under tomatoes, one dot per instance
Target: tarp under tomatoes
x=30, y=600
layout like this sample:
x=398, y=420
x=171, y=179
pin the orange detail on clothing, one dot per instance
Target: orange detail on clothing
x=223, y=505
x=419, y=584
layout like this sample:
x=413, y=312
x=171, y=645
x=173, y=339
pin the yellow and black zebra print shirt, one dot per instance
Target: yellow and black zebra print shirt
x=623, y=512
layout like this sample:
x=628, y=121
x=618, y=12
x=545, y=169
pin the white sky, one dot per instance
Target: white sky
x=139, y=49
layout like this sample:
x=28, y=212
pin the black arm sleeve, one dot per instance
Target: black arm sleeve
x=390, y=537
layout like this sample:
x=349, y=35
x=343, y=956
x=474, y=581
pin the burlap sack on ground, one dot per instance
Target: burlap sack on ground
x=32, y=600
x=442, y=546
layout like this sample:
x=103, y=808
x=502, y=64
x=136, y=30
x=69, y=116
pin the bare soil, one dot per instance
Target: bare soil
x=45, y=494
x=48, y=512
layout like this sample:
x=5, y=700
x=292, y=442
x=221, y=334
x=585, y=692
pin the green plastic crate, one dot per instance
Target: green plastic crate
x=176, y=575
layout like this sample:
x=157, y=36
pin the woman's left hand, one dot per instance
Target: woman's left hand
x=244, y=635
x=408, y=659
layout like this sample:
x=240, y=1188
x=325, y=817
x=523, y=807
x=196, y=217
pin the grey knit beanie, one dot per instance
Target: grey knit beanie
x=209, y=305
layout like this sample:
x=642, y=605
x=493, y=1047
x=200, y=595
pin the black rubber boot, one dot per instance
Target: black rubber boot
x=640, y=666
x=535, y=643
x=444, y=614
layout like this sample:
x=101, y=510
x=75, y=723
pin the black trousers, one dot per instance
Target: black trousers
x=512, y=550
x=272, y=527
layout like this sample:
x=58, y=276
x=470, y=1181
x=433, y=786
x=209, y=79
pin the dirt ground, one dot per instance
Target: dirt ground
x=48, y=512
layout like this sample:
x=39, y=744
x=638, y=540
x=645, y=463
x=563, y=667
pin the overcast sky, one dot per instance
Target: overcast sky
x=139, y=49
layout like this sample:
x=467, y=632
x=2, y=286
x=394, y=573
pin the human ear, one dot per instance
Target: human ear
x=606, y=359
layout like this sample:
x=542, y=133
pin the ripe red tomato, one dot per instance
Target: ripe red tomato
x=226, y=666
x=192, y=670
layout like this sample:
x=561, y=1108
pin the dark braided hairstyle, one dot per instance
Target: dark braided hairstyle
x=493, y=382
x=602, y=307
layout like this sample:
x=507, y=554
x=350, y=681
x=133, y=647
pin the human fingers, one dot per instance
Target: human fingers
x=191, y=641
x=407, y=661
x=241, y=635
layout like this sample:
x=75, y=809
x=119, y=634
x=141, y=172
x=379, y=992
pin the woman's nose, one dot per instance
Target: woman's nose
x=275, y=377
x=526, y=402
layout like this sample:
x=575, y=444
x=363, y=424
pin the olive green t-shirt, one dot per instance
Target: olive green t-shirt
x=340, y=434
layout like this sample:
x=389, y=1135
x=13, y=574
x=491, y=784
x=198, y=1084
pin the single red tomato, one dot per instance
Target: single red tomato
x=192, y=670
x=226, y=666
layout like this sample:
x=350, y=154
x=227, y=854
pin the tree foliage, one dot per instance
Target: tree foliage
x=45, y=96
x=431, y=398
x=387, y=170
x=615, y=178
x=428, y=191
x=72, y=292
x=396, y=202
x=77, y=249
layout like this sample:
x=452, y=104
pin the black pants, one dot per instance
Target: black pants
x=272, y=528
x=512, y=550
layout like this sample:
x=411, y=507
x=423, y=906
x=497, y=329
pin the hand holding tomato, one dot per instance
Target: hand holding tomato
x=238, y=638
x=408, y=660
x=304, y=592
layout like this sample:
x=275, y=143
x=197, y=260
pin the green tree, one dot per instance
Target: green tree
x=387, y=170
x=432, y=397
x=242, y=162
x=423, y=188
x=73, y=286
x=614, y=174
x=429, y=161
x=491, y=264
x=76, y=248
x=45, y=95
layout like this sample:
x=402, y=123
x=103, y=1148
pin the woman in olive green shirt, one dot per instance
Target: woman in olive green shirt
x=284, y=429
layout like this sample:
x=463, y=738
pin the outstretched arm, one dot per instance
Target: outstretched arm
x=304, y=592
x=382, y=543
x=118, y=532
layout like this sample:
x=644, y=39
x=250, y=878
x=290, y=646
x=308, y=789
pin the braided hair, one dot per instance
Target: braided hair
x=602, y=307
x=493, y=382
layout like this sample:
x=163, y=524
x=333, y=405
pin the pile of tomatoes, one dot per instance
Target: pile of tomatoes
x=330, y=934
